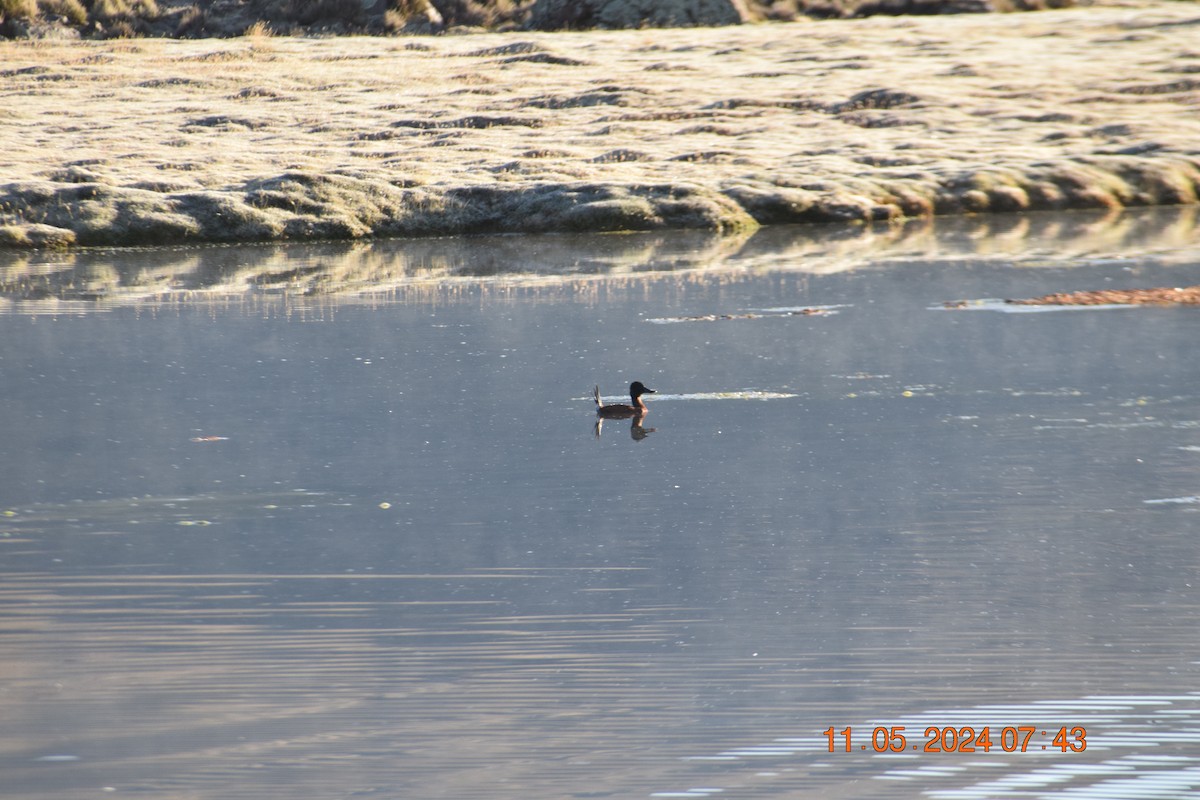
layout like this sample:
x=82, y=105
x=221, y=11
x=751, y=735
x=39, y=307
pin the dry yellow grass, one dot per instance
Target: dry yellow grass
x=161, y=141
x=18, y=9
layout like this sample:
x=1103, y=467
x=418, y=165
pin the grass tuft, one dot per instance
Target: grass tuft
x=18, y=9
x=193, y=23
x=46, y=237
x=124, y=9
x=496, y=14
x=72, y=10
x=259, y=30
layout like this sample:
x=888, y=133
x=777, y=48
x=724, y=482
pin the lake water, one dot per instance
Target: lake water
x=262, y=540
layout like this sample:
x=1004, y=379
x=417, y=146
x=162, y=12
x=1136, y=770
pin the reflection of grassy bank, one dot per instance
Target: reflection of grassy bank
x=265, y=139
x=431, y=268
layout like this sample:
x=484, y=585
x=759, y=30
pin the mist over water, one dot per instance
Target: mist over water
x=374, y=547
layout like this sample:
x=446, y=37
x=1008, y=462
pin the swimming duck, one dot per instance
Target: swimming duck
x=620, y=410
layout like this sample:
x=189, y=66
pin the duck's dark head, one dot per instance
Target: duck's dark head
x=637, y=389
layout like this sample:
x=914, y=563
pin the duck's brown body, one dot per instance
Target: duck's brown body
x=635, y=408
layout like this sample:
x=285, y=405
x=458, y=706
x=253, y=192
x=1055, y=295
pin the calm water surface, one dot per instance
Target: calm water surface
x=317, y=548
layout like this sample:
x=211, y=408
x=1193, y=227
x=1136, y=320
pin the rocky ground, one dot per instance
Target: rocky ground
x=258, y=138
x=119, y=19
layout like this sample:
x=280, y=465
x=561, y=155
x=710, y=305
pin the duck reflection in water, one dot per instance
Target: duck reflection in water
x=635, y=411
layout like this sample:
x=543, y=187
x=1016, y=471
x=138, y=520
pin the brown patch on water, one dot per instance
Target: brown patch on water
x=1189, y=295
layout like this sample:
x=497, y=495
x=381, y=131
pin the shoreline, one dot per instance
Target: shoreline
x=579, y=266
x=261, y=139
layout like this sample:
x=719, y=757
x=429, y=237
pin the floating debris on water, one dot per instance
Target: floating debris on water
x=703, y=318
x=1189, y=500
x=1062, y=391
x=739, y=394
x=1011, y=307
x=1099, y=299
x=1188, y=295
x=862, y=376
x=210, y=439
x=765, y=313
x=804, y=311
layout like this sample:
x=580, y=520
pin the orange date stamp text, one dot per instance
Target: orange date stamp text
x=966, y=739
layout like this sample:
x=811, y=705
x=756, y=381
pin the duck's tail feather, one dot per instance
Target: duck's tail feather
x=596, y=394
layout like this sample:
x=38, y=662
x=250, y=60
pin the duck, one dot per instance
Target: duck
x=636, y=408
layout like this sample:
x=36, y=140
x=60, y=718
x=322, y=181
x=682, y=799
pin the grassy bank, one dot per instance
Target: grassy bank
x=131, y=142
